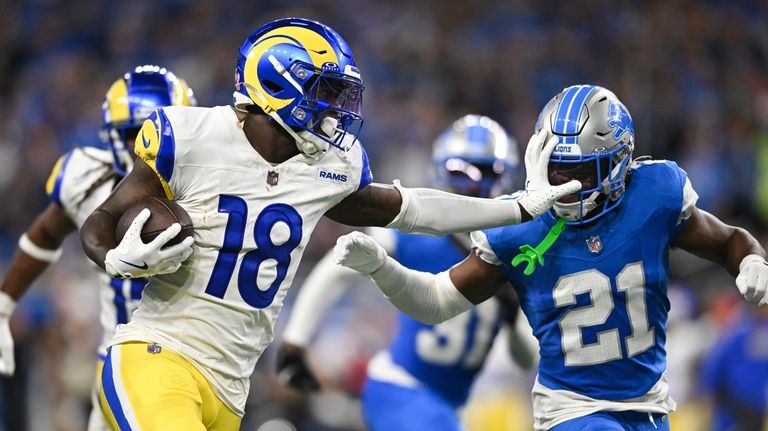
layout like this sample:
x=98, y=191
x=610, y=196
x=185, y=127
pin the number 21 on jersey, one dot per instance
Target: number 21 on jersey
x=266, y=249
x=631, y=281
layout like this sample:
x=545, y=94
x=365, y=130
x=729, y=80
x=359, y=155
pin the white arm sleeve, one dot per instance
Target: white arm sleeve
x=434, y=212
x=429, y=298
x=322, y=288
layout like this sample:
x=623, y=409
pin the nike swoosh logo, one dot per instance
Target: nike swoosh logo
x=145, y=142
x=144, y=266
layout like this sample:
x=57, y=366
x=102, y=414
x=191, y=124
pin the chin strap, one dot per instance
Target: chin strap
x=534, y=255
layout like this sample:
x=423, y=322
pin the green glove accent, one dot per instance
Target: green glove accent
x=535, y=255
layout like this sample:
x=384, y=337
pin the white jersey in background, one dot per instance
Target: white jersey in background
x=79, y=182
x=252, y=222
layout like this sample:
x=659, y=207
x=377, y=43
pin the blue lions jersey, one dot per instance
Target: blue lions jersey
x=740, y=392
x=599, y=305
x=448, y=356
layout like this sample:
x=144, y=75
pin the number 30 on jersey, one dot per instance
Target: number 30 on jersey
x=266, y=249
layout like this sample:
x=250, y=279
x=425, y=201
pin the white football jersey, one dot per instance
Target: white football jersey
x=79, y=182
x=252, y=221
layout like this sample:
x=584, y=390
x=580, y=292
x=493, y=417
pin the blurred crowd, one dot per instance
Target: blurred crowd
x=694, y=75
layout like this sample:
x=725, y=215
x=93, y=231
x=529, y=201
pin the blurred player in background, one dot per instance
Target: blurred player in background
x=735, y=373
x=599, y=304
x=427, y=373
x=79, y=182
x=255, y=181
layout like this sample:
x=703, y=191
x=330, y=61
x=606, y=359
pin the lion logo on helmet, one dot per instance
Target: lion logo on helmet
x=619, y=118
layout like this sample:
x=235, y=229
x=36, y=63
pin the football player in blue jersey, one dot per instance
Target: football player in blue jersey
x=735, y=374
x=428, y=370
x=255, y=178
x=591, y=274
x=79, y=182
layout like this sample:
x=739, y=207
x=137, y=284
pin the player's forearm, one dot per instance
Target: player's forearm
x=523, y=352
x=97, y=236
x=322, y=288
x=429, y=298
x=21, y=273
x=439, y=213
x=38, y=247
x=728, y=247
x=740, y=244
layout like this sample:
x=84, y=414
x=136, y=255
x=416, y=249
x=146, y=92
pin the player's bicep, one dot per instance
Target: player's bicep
x=703, y=233
x=477, y=279
x=373, y=205
x=142, y=182
x=710, y=238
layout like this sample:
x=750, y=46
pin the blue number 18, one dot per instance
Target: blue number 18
x=234, y=233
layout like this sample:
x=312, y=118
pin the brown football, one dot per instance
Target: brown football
x=164, y=213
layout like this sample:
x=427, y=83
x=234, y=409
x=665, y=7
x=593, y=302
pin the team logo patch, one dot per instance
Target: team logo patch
x=272, y=177
x=337, y=176
x=619, y=120
x=594, y=244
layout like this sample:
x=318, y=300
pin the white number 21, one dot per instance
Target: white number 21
x=630, y=280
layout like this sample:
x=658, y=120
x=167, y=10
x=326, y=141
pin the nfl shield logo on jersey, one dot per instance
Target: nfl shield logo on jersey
x=272, y=177
x=594, y=244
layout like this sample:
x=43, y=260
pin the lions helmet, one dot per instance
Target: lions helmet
x=475, y=156
x=303, y=75
x=131, y=99
x=596, y=140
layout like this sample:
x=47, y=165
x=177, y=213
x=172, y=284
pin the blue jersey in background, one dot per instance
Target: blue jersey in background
x=735, y=374
x=440, y=362
x=448, y=356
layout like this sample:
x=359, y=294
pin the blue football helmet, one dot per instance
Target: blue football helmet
x=475, y=157
x=130, y=100
x=303, y=75
x=597, y=138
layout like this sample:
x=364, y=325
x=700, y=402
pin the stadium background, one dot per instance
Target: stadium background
x=694, y=75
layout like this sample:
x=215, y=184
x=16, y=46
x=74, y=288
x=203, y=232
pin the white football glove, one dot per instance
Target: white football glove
x=752, y=280
x=539, y=195
x=132, y=258
x=360, y=252
x=7, y=362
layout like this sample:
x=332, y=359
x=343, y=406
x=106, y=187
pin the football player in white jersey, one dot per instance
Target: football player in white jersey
x=80, y=181
x=255, y=179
